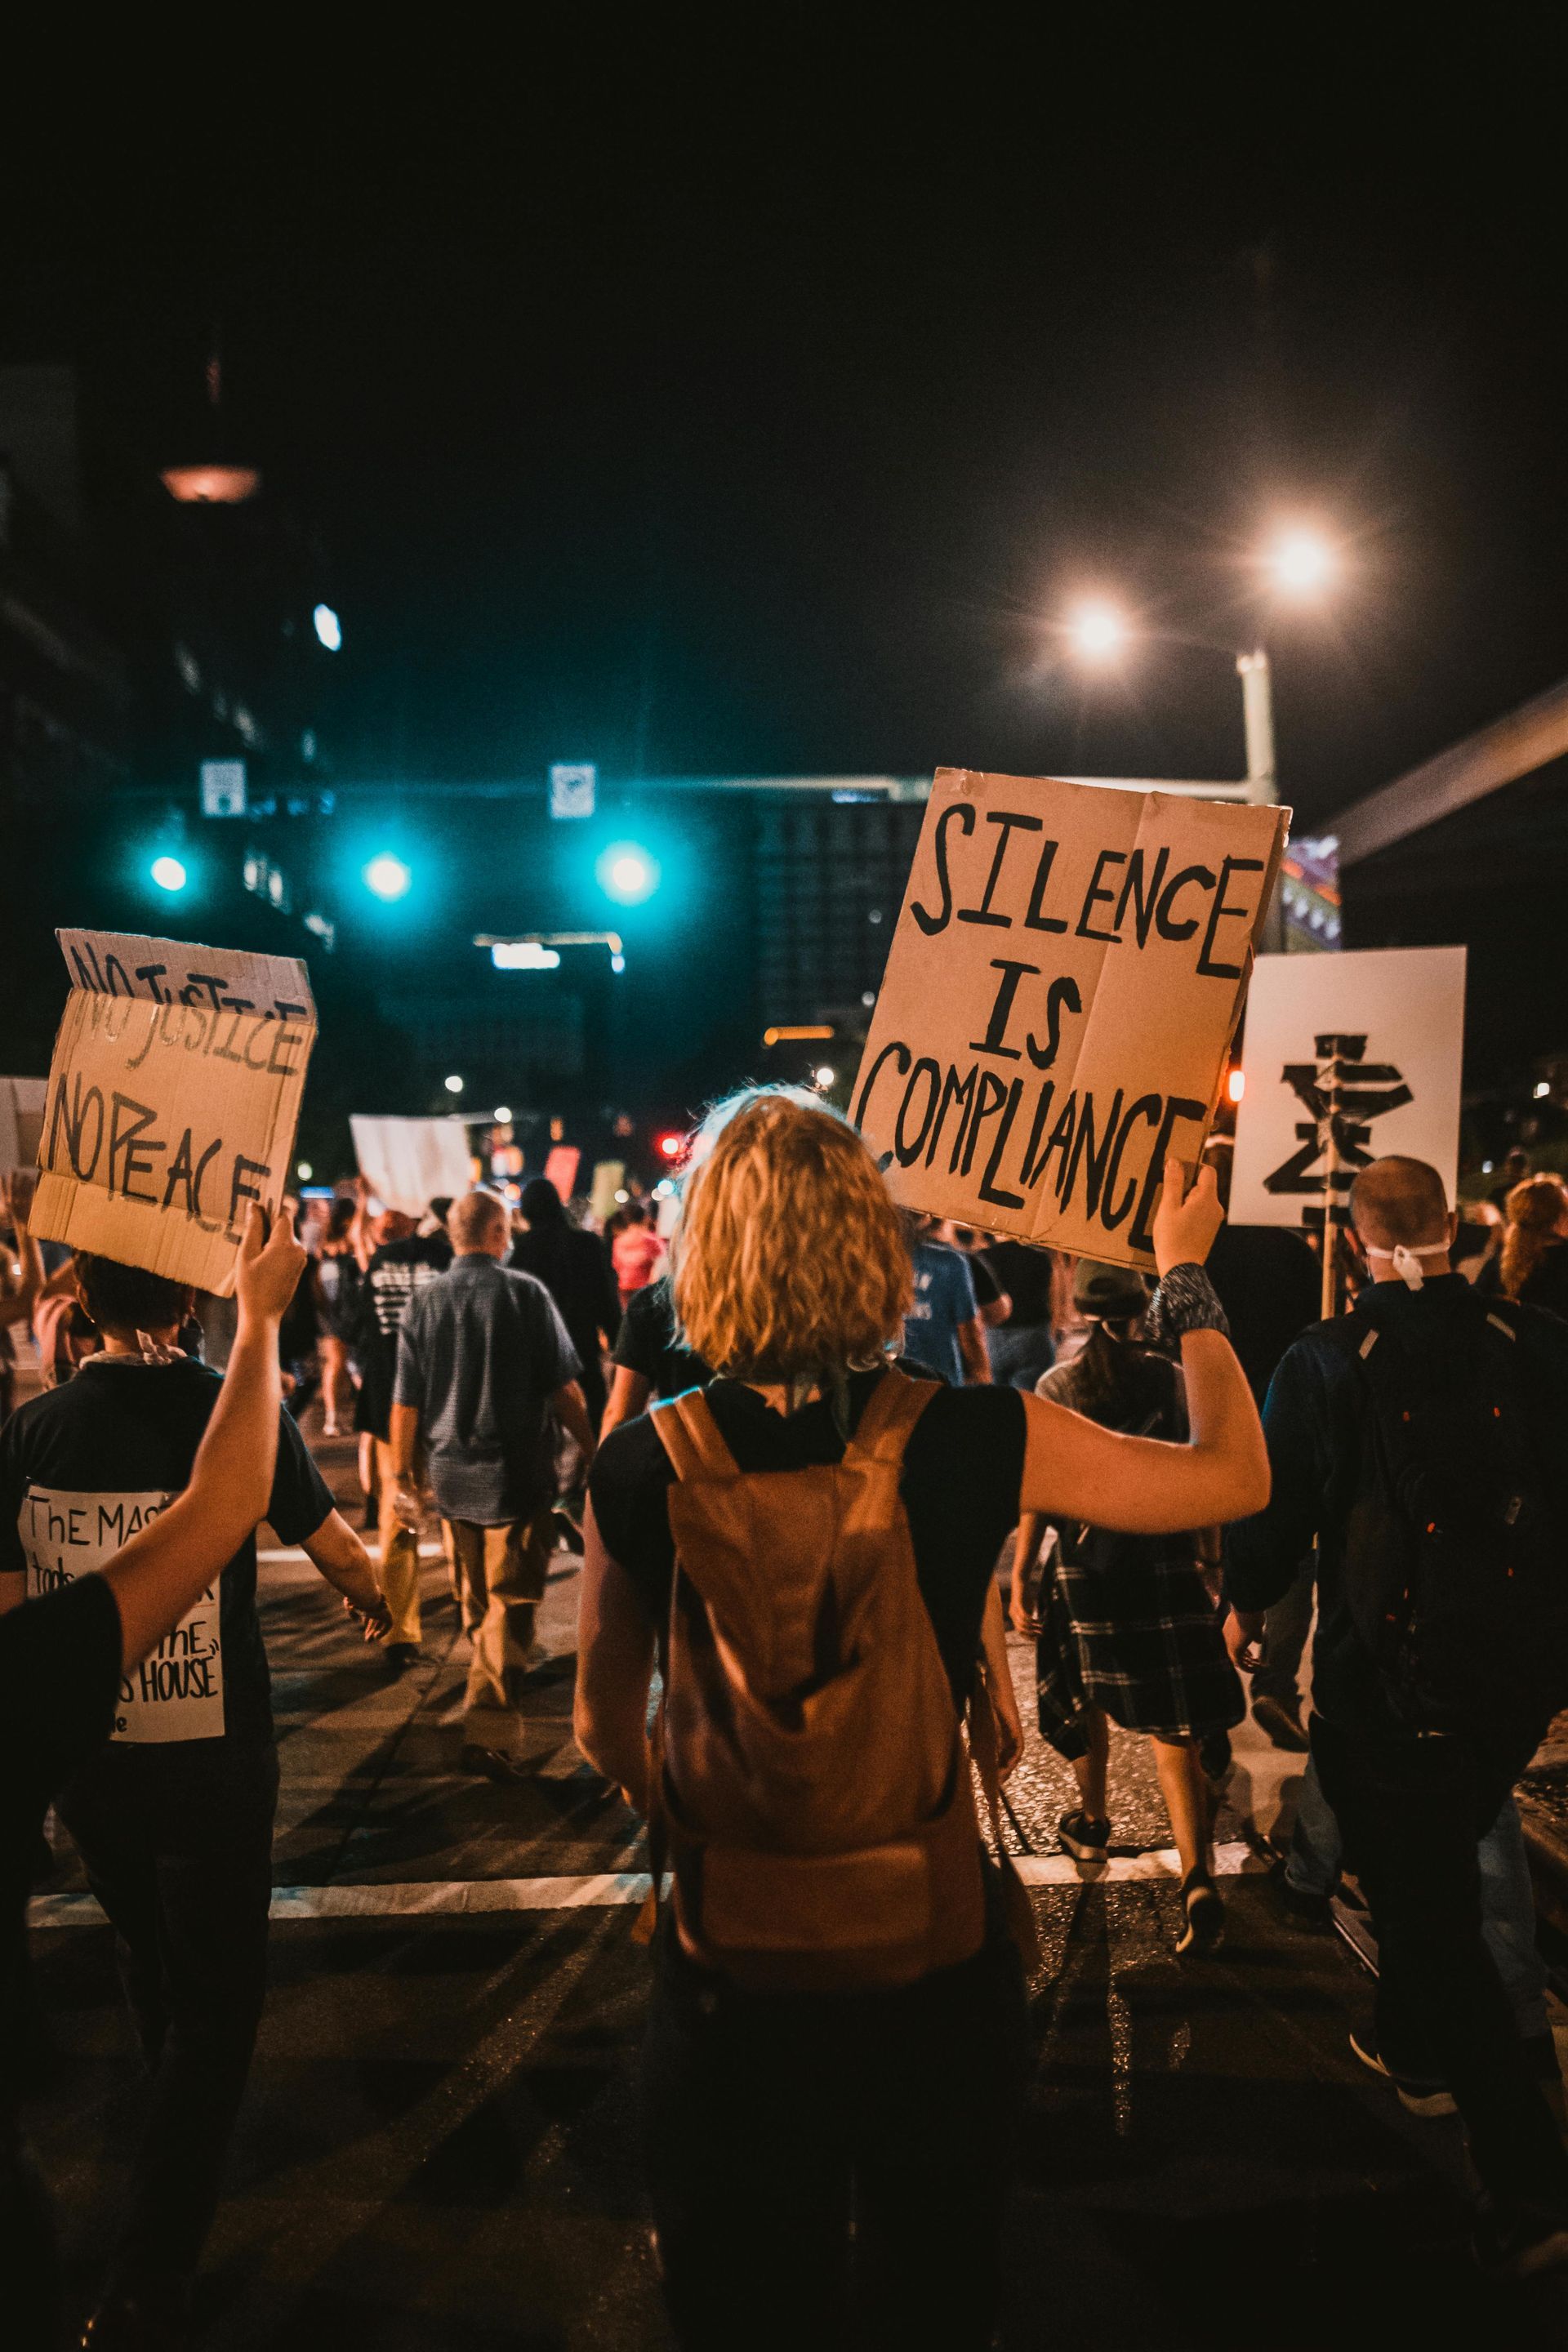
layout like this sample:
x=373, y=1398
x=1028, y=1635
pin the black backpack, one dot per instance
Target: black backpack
x=1456, y=1543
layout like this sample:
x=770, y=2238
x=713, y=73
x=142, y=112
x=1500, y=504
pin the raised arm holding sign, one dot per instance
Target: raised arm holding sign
x=1064, y=982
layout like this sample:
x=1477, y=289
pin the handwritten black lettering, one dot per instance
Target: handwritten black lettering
x=1063, y=991
x=930, y=924
x=996, y=1027
x=1034, y=919
x=1095, y=894
x=1217, y=914
x=1143, y=903
x=1164, y=920
x=989, y=1188
x=1007, y=824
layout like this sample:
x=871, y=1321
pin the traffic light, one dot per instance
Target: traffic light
x=626, y=873
x=169, y=873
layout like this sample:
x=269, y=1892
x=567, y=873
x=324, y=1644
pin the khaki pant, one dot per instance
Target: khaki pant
x=398, y=1570
x=498, y=1576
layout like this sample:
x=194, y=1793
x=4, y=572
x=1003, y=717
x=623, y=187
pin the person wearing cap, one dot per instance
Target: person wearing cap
x=1127, y=1627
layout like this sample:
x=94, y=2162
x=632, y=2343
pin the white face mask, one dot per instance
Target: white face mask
x=1406, y=1263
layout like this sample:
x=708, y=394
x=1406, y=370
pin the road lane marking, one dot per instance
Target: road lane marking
x=462, y=1897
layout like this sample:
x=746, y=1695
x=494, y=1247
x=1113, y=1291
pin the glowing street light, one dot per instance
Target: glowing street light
x=503, y=1114
x=825, y=1075
x=328, y=627
x=387, y=877
x=168, y=873
x=1099, y=631
x=454, y=1084
x=626, y=873
x=1302, y=562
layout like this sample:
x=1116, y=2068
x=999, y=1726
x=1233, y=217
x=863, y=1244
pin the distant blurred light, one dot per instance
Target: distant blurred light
x=868, y=997
x=1236, y=1085
x=1486, y=1168
x=1543, y=1089
x=503, y=1114
x=328, y=627
x=212, y=486
x=524, y=955
x=169, y=874
x=663, y=1189
x=304, y=1171
x=627, y=873
x=1098, y=630
x=388, y=876
x=825, y=1074
x=454, y=1084
x=1301, y=560
x=622, y=1197
x=670, y=1144
x=618, y=964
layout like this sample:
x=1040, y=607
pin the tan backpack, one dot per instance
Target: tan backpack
x=810, y=1783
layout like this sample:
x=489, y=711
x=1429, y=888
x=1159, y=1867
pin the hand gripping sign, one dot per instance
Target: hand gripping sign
x=173, y=1101
x=1064, y=979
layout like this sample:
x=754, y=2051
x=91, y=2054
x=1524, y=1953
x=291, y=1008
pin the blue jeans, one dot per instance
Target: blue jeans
x=1508, y=1899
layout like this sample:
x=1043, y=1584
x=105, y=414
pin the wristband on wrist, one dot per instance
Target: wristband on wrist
x=1186, y=1300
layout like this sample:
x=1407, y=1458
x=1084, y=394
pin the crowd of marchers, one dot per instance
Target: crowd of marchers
x=814, y=1454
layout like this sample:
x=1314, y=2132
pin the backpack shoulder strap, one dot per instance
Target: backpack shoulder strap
x=690, y=1435
x=892, y=1408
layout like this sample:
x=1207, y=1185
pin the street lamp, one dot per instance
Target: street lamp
x=1099, y=631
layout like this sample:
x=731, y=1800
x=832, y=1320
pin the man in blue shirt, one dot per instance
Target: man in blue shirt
x=942, y=1329
x=1413, y=1805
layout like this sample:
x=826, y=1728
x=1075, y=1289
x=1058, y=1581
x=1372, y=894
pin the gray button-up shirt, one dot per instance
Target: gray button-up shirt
x=480, y=1352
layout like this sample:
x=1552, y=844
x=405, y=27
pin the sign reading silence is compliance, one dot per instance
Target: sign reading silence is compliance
x=173, y=1101
x=1064, y=979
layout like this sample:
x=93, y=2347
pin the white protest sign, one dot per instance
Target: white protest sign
x=174, y=1098
x=177, y=1692
x=412, y=1162
x=1063, y=985
x=21, y=1122
x=1384, y=1027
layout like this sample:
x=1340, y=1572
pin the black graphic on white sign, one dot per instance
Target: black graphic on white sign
x=1344, y=1093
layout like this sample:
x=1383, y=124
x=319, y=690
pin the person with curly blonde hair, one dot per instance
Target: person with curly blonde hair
x=1534, y=1259
x=835, y=2052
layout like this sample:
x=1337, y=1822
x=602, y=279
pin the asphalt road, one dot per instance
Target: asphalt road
x=437, y=2150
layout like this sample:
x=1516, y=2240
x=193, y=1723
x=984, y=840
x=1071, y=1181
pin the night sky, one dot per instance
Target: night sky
x=755, y=405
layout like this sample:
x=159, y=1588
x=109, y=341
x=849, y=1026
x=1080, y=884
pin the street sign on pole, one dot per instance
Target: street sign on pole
x=222, y=788
x=572, y=789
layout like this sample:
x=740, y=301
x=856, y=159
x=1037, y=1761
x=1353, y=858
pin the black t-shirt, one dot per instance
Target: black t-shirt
x=1548, y=1285
x=1025, y=1275
x=962, y=1471
x=396, y=1271
x=575, y=1271
x=1270, y=1286
x=82, y=1468
x=59, y=1678
x=647, y=1343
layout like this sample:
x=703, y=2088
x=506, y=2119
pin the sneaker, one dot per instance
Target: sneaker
x=1519, y=2242
x=1280, y=1724
x=1417, y=2098
x=1202, y=1926
x=1085, y=1839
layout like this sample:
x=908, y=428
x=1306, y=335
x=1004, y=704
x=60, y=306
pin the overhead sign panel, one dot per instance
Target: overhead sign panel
x=1064, y=982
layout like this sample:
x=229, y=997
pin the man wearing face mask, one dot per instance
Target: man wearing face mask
x=1420, y=1441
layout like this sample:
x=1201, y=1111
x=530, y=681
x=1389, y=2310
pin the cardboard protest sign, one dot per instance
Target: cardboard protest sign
x=1064, y=982
x=176, y=1692
x=21, y=1122
x=1380, y=1032
x=609, y=1177
x=561, y=1167
x=411, y=1161
x=174, y=1096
